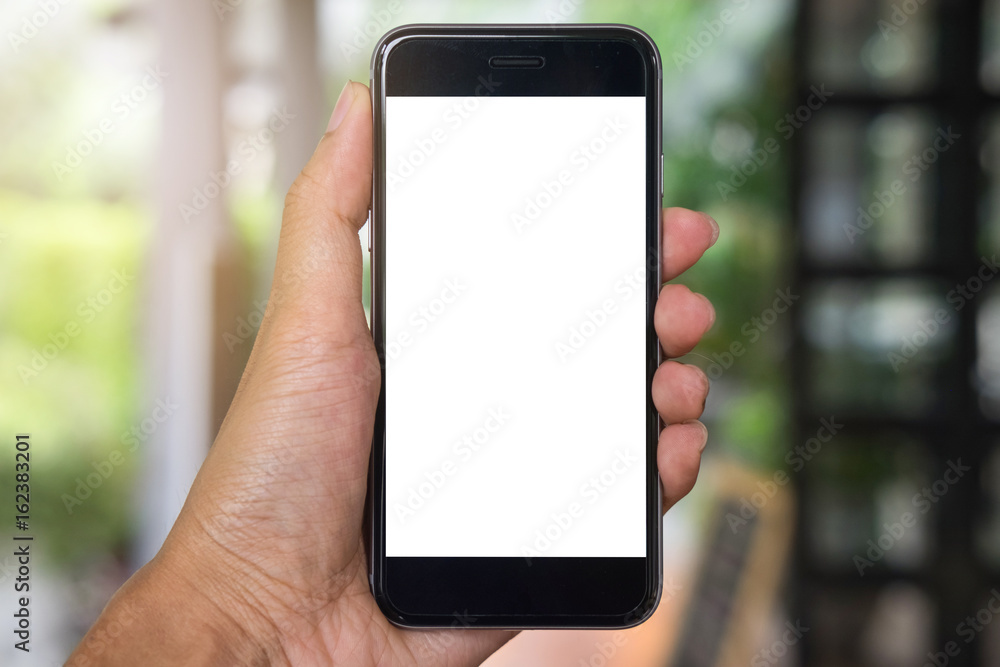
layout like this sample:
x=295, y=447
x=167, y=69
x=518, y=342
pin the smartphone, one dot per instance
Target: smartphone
x=515, y=240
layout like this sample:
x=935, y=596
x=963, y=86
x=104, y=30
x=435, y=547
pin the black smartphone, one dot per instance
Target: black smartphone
x=515, y=237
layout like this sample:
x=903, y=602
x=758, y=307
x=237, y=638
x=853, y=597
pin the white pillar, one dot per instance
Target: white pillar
x=179, y=317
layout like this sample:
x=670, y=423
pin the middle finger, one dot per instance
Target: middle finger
x=682, y=317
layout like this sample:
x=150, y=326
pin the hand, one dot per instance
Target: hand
x=266, y=562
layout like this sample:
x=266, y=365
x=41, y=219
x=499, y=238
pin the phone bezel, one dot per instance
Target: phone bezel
x=543, y=596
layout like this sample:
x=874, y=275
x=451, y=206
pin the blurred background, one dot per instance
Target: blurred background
x=848, y=512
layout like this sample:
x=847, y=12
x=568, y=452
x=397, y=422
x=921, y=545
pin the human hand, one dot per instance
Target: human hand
x=266, y=563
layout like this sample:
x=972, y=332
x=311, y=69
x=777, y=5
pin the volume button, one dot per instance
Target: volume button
x=371, y=215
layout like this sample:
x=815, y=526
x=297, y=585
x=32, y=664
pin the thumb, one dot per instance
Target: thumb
x=317, y=277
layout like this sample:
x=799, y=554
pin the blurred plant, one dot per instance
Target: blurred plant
x=55, y=265
x=719, y=108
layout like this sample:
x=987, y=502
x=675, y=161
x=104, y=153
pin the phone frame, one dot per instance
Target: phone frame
x=539, y=595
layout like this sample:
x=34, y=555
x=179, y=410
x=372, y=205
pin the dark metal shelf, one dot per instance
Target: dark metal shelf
x=955, y=580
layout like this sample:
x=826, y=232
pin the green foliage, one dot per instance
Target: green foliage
x=754, y=420
x=719, y=105
x=71, y=392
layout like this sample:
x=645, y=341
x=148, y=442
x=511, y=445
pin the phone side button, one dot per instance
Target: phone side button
x=661, y=178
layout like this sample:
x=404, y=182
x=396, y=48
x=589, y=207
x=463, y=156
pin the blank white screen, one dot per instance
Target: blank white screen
x=507, y=434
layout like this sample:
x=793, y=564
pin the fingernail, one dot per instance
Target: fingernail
x=703, y=388
x=704, y=429
x=343, y=105
x=703, y=381
x=715, y=230
x=711, y=310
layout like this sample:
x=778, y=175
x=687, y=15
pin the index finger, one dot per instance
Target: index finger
x=686, y=236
